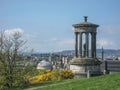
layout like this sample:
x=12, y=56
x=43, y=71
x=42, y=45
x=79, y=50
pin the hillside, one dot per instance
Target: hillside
x=105, y=82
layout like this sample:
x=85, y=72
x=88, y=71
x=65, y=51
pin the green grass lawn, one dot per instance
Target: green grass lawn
x=41, y=84
x=105, y=82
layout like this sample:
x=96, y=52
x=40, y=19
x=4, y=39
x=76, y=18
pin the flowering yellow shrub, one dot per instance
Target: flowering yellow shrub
x=50, y=75
x=67, y=74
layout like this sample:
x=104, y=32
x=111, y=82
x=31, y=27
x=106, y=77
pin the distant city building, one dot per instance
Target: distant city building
x=118, y=58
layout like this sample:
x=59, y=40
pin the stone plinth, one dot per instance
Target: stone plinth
x=80, y=66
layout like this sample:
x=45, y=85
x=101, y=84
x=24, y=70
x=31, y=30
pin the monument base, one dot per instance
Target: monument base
x=84, y=67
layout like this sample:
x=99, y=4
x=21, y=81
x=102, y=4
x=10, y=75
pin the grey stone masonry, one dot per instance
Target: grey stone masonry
x=87, y=29
x=85, y=62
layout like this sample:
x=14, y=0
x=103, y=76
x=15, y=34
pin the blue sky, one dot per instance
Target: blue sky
x=47, y=24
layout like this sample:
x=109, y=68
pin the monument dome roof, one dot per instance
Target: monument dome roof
x=85, y=24
x=44, y=64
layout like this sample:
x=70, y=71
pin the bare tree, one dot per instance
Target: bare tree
x=9, y=47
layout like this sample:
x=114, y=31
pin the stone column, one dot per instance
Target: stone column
x=87, y=44
x=102, y=53
x=95, y=45
x=92, y=44
x=80, y=44
x=76, y=44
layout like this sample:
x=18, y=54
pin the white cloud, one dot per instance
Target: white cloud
x=108, y=37
x=61, y=44
x=104, y=43
x=12, y=31
x=51, y=44
x=111, y=30
x=67, y=41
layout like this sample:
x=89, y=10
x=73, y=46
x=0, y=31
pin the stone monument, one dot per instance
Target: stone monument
x=85, y=61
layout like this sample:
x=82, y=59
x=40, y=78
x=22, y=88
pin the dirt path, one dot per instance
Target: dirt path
x=33, y=88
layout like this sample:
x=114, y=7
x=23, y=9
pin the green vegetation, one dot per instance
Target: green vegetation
x=40, y=84
x=12, y=70
x=9, y=47
x=105, y=82
x=10, y=74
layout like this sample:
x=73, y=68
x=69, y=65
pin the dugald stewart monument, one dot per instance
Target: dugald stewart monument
x=85, y=62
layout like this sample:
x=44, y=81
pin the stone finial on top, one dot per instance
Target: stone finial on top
x=85, y=18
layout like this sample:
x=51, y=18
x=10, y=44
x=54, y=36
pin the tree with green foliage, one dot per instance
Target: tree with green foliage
x=9, y=47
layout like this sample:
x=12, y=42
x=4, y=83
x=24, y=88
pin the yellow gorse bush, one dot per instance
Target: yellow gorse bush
x=66, y=74
x=50, y=75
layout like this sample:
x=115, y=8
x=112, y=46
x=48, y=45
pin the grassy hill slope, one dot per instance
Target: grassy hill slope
x=105, y=82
